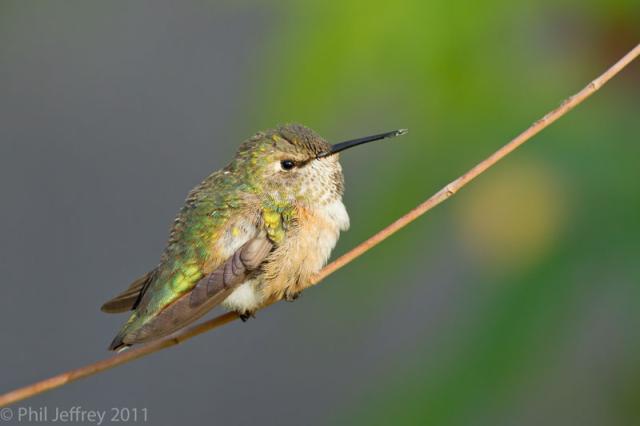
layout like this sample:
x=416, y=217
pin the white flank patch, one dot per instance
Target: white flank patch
x=336, y=212
x=245, y=298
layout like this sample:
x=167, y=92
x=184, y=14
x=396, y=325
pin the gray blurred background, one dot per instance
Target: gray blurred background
x=515, y=303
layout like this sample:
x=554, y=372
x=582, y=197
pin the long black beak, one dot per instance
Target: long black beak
x=355, y=142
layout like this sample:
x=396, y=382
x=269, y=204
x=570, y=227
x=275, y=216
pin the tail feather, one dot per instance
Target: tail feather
x=129, y=299
x=117, y=344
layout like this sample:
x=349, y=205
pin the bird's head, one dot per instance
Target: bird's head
x=294, y=163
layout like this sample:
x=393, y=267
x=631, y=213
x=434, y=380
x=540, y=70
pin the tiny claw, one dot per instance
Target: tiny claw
x=245, y=316
x=290, y=297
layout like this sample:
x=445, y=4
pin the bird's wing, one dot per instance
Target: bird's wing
x=209, y=290
x=207, y=293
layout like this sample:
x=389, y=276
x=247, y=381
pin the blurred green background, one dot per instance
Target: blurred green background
x=515, y=302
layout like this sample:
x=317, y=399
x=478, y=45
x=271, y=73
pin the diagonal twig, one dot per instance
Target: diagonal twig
x=442, y=195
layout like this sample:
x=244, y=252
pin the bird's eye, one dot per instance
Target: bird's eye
x=287, y=164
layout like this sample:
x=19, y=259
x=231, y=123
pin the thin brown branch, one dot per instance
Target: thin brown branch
x=439, y=197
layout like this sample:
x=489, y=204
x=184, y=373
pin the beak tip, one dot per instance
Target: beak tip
x=351, y=143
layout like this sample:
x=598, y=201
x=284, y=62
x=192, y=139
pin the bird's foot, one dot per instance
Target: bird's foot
x=291, y=296
x=246, y=315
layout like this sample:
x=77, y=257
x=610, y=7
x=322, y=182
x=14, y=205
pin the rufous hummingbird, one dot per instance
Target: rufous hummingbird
x=255, y=231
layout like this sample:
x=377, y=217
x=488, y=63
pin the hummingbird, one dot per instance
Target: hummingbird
x=253, y=232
